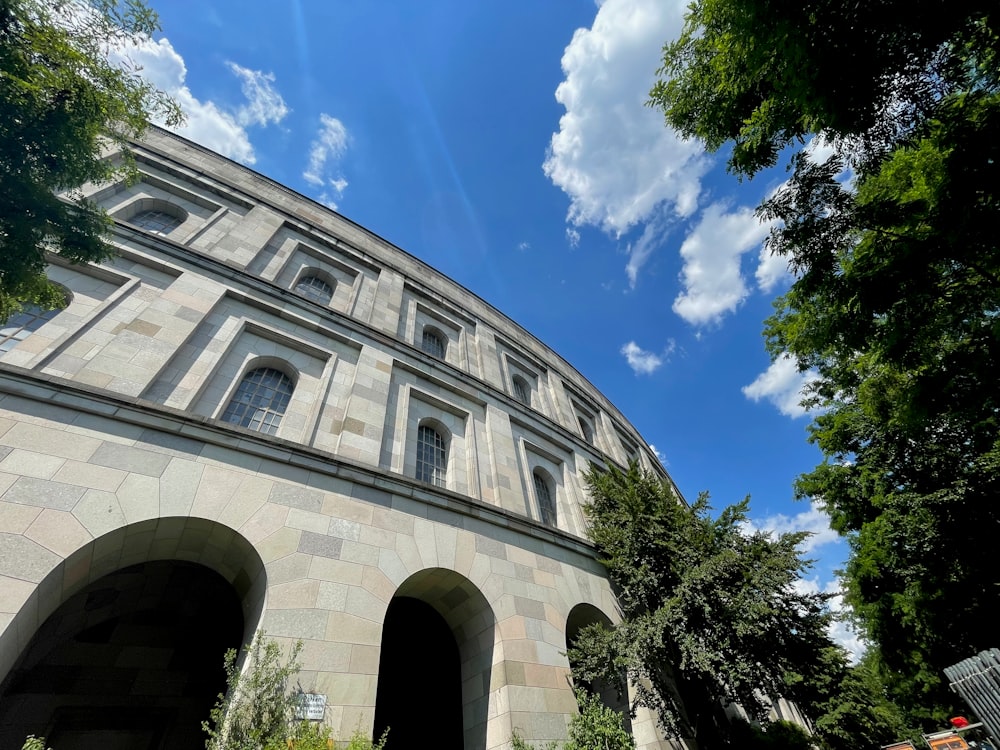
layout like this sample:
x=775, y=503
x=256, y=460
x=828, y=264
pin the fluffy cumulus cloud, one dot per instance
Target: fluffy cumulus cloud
x=815, y=521
x=325, y=152
x=772, y=269
x=215, y=126
x=613, y=156
x=641, y=361
x=783, y=385
x=713, y=283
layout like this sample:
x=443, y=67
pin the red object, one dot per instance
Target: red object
x=958, y=722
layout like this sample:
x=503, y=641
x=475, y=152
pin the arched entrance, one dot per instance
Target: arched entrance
x=580, y=617
x=131, y=655
x=435, y=664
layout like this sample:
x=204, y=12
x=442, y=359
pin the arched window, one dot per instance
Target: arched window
x=586, y=430
x=315, y=288
x=432, y=342
x=522, y=391
x=156, y=221
x=432, y=459
x=545, y=498
x=260, y=400
x=21, y=325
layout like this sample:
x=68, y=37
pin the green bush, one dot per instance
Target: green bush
x=595, y=727
x=258, y=709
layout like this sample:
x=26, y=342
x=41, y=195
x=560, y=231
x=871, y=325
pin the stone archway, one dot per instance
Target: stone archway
x=435, y=665
x=580, y=617
x=121, y=645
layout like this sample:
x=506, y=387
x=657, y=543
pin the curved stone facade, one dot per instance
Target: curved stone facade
x=258, y=386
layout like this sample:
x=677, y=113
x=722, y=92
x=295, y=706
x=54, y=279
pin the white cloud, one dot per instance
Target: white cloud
x=572, y=237
x=641, y=361
x=640, y=250
x=840, y=629
x=783, y=385
x=815, y=521
x=264, y=104
x=325, y=151
x=659, y=456
x=712, y=252
x=613, y=156
x=210, y=124
x=523, y=246
x=772, y=269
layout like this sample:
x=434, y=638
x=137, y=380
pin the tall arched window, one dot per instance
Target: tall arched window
x=432, y=458
x=315, y=288
x=260, y=400
x=21, y=325
x=545, y=498
x=432, y=342
x=522, y=391
x=155, y=221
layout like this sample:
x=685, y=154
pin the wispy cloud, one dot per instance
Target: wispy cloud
x=712, y=252
x=325, y=152
x=659, y=456
x=572, y=237
x=783, y=385
x=264, y=105
x=217, y=126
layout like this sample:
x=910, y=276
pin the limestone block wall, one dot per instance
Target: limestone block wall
x=114, y=450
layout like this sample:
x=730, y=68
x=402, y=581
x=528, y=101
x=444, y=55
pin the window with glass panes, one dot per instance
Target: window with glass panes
x=432, y=461
x=260, y=400
x=314, y=288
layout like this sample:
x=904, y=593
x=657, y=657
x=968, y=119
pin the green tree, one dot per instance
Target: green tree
x=897, y=286
x=63, y=103
x=257, y=710
x=711, y=614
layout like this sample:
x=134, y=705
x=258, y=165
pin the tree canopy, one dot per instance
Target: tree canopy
x=711, y=613
x=897, y=286
x=64, y=104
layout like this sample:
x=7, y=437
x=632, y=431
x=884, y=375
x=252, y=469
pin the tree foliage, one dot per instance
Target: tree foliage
x=897, y=286
x=595, y=727
x=63, y=102
x=257, y=710
x=711, y=614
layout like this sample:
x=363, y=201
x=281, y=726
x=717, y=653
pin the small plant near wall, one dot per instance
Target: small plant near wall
x=596, y=727
x=34, y=743
x=259, y=710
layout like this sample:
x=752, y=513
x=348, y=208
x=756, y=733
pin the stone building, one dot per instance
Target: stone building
x=260, y=415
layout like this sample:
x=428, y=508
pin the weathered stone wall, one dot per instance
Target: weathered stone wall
x=113, y=451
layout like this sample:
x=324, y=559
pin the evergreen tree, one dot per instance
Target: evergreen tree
x=711, y=612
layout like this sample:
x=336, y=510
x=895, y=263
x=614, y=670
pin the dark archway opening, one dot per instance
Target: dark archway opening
x=419, y=696
x=133, y=661
x=612, y=696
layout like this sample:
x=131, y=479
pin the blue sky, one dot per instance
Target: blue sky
x=508, y=145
